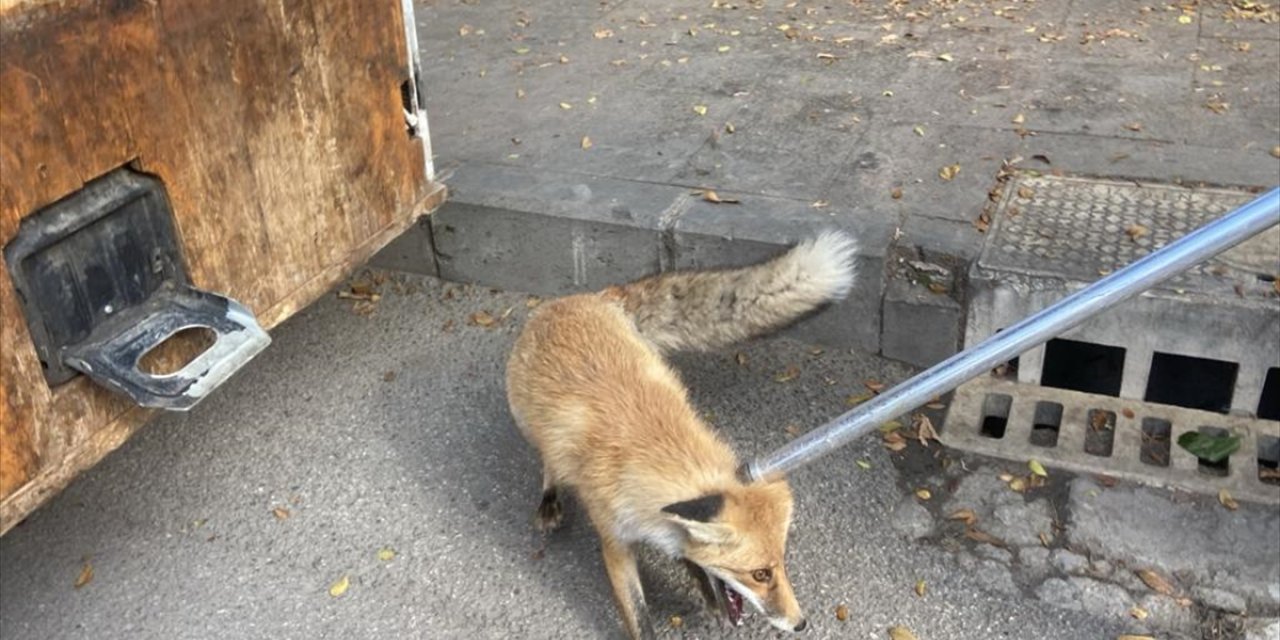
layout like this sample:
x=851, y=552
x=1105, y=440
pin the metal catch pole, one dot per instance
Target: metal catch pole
x=1177, y=257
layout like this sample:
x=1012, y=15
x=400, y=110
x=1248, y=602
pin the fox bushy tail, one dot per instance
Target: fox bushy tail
x=704, y=310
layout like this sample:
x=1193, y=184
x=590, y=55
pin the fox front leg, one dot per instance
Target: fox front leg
x=628, y=594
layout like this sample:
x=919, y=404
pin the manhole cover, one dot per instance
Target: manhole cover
x=1199, y=353
x=1082, y=229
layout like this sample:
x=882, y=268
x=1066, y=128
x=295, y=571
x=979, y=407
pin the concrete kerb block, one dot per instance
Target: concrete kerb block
x=708, y=235
x=920, y=327
x=549, y=233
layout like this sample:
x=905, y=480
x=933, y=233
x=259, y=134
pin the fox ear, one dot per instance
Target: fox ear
x=698, y=509
x=694, y=516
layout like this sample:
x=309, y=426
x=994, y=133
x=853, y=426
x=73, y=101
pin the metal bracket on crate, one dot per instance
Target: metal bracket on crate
x=111, y=354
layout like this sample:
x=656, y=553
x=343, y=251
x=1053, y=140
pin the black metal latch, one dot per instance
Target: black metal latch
x=102, y=283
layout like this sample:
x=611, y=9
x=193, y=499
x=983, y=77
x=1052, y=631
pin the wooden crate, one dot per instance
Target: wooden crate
x=279, y=129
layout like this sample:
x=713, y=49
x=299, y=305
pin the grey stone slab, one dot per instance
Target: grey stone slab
x=1235, y=553
x=1146, y=160
x=1238, y=23
x=580, y=197
x=941, y=239
x=771, y=152
x=709, y=235
x=549, y=233
x=1240, y=70
x=920, y=327
x=895, y=157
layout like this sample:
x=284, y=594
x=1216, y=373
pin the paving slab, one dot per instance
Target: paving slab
x=855, y=106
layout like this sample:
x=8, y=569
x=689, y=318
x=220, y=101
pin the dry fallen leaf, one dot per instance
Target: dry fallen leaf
x=1155, y=581
x=1026, y=193
x=793, y=430
x=1217, y=105
x=280, y=513
x=924, y=429
x=1139, y=613
x=712, y=196
x=386, y=554
x=967, y=516
x=787, y=375
x=919, y=130
x=340, y=587
x=1227, y=501
x=874, y=385
x=854, y=400
x=601, y=34
x=863, y=464
x=1045, y=540
x=894, y=441
x=1127, y=413
x=1037, y=468
x=1020, y=118
x=1135, y=231
x=86, y=575
x=482, y=319
x=842, y=612
x=1275, y=151
x=676, y=622
x=924, y=494
x=464, y=30
x=586, y=142
x=978, y=535
x=1018, y=485
x=920, y=588
x=700, y=109
x=896, y=193
x=945, y=57
x=949, y=172
x=566, y=106
x=519, y=93
x=532, y=302
x=901, y=633
x=1134, y=126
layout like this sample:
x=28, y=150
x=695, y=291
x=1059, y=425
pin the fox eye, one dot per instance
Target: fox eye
x=762, y=575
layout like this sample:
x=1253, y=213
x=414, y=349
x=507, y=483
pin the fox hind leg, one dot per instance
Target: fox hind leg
x=550, y=511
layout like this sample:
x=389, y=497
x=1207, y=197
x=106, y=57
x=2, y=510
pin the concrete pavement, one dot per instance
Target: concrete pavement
x=390, y=432
x=377, y=446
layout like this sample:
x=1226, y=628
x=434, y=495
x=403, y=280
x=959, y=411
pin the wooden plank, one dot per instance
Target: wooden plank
x=277, y=129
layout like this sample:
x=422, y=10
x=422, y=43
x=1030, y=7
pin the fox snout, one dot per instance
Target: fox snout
x=783, y=609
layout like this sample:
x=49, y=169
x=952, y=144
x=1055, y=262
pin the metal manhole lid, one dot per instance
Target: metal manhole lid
x=1078, y=229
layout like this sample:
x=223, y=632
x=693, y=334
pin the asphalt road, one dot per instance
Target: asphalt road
x=355, y=434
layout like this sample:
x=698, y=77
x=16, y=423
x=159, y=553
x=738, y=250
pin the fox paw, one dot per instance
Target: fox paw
x=550, y=513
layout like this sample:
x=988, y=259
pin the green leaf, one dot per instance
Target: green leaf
x=1207, y=447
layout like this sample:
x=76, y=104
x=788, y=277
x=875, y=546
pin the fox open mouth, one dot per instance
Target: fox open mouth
x=730, y=600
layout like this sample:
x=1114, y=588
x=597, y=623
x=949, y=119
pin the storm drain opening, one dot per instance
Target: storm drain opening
x=1269, y=459
x=1083, y=366
x=995, y=414
x=1100, y=437
x=1269, y=405
x=1194, y=383
x=1156, y=433
x=1221, y=468
x=1046, y=424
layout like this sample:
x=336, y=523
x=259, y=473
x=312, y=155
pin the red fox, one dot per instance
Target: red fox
x=589, y=388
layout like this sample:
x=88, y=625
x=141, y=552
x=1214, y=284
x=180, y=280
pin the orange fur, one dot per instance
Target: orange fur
x=589, y=388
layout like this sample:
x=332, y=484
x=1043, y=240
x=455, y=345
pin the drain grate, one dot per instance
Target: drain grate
x=1128, y=439
x=1200, y=352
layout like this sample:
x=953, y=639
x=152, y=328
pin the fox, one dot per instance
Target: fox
x=589, y=387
